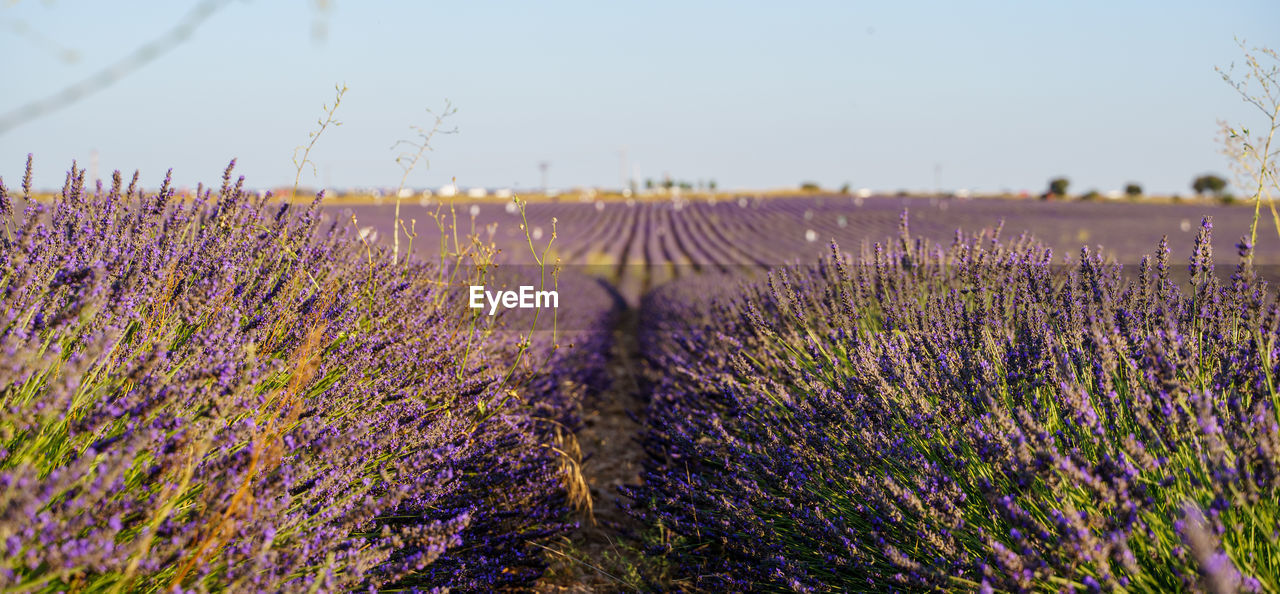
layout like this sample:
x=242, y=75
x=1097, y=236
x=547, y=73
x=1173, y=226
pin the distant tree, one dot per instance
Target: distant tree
x=810, y=186
x=667, y=184
x=1058, y=186
x=684, y=185
x=648, y=183
x=1210, y=183
x=1132, y=190
x=1090, y=196
x=845, y=188
x=712, y=185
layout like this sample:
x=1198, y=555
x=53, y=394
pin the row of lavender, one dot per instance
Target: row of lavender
x=738, y=231
x=967, y=417
x=228, y=394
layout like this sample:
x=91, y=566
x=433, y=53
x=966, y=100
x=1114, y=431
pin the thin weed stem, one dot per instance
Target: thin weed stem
x=409, y=160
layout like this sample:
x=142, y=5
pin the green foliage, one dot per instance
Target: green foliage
x=1058, y=186
x=810, y=186
x=1132, y=190
x=1213, y=184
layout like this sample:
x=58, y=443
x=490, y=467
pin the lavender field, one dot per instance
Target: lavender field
x=594, y=297
x=228, y=392
x=234, y=395
x=639, y=245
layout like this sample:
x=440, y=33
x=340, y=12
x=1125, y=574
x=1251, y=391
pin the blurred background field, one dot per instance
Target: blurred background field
x=641, y=244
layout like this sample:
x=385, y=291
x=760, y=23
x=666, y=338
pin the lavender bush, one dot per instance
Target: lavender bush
x=967, y=417
x=228, y=394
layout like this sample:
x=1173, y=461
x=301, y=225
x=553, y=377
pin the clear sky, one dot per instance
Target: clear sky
x=984, y=94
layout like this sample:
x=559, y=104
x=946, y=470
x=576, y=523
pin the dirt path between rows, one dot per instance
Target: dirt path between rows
x=596, y=556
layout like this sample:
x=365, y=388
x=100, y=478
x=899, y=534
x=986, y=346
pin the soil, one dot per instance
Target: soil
x=590, y=559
